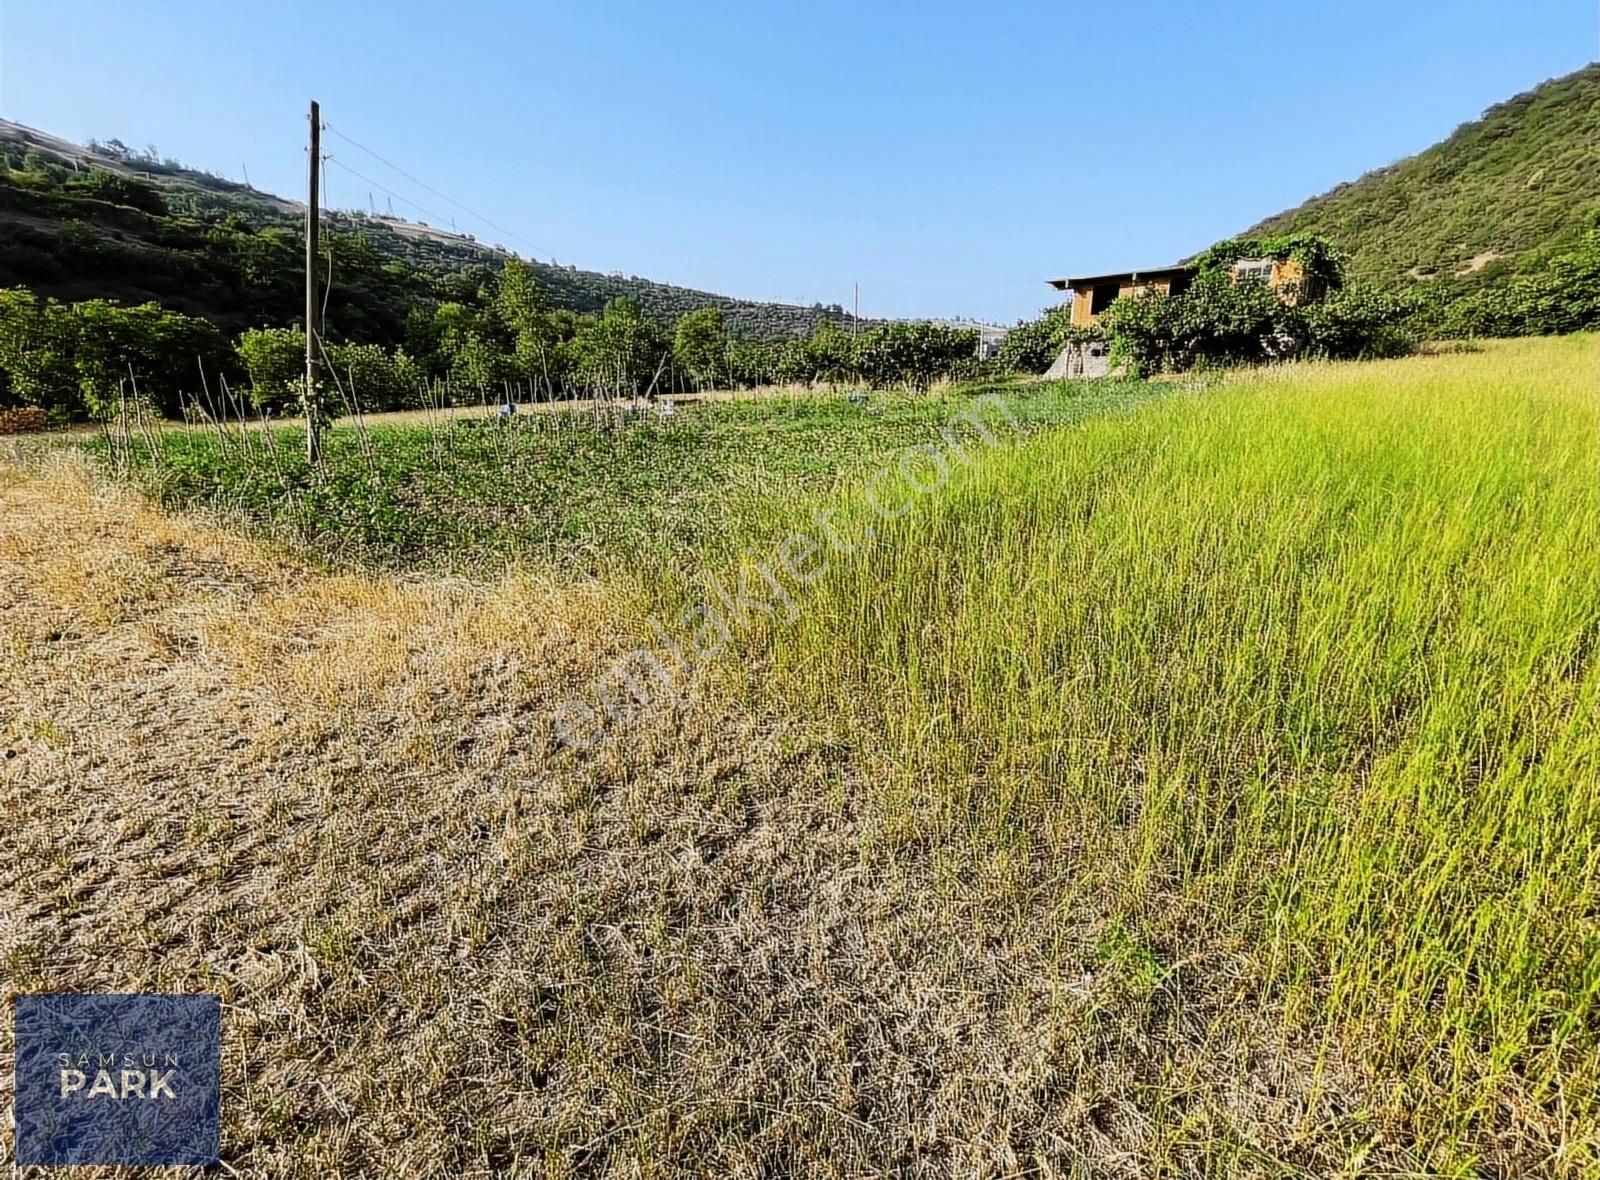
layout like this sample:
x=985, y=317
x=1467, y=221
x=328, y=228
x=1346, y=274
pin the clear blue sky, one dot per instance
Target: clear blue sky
x=949, y=156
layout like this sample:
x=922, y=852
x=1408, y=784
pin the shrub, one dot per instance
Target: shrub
x=1215, y=322
x=751, y=363
x=1033, y=345
x=791, y=363
x=1220, y=321
x=1563, y=296
x=912, y=354
x=1323, y=270
x=104, y=185
x=373, y=380
x=148, y=351
x=274, y=360
x=700, y=346
x=621, y=352
x=36, y=347
x=1358, y=322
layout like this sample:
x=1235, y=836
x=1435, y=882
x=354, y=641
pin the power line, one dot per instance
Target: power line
x=438, y=218
x=536, y=250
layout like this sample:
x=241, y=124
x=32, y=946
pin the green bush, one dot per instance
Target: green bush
x=36, y=350
x=751, y=363
x=367, y=378
x=1218, y=321
x=1323, y=271
x=1033, y=345
x=104, y=185
x=88, y=358
x=620, y=352
x=146, y=351
x=1357, y=322
x=1214, y=322
x=911, y=353
x=700, y=347
x=274, y=360
x=504, y=341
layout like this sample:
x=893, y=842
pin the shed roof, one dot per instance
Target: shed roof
x=1146, y=272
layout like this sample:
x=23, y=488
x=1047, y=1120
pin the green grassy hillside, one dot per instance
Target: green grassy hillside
x=1497, y=197
x=100, y=222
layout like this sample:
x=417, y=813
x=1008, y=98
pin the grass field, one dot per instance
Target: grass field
x=476, y=496
x=1303, y=676
x=1205, y=784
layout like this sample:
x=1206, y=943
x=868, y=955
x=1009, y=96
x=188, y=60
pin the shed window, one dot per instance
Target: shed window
x=1255, y=269
x=1102, y=297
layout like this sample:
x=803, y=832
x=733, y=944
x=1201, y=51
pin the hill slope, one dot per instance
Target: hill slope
x=1495, y=198
x=98, y=221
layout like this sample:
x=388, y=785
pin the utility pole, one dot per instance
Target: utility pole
x=855, y=316
x=313, y=368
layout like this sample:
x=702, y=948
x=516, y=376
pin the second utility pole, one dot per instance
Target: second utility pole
x=313, y=366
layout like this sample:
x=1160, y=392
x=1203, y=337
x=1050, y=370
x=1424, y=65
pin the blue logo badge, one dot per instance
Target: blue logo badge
x=118, y=1079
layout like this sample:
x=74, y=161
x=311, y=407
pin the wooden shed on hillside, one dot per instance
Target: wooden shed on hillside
x=1092, y=294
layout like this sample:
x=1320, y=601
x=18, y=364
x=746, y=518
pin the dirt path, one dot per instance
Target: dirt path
x=454, y=413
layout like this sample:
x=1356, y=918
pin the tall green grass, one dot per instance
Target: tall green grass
x=1305, y=667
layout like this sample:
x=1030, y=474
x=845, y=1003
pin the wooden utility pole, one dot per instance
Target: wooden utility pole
x=313, y=365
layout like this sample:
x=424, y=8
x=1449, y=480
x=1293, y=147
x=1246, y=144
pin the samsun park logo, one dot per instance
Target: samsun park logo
x=118, y=1079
